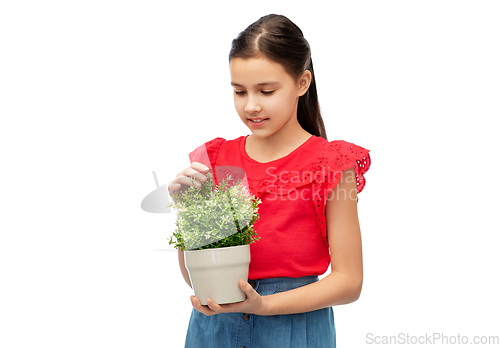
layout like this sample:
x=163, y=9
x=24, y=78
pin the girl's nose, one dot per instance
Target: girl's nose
x=252, y=106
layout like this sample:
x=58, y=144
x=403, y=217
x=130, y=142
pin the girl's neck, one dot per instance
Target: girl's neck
x=275, y=146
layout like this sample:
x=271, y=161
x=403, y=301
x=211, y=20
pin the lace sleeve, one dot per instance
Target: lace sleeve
x=340, y=155
x=335, y=157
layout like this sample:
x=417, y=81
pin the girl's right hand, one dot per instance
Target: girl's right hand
x=183, y=179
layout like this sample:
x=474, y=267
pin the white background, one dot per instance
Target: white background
x=95, y=95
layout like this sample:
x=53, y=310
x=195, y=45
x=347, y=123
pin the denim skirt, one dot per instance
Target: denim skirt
x=242, y=330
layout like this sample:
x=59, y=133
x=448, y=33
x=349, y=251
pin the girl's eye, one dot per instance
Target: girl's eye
x=240, y=92
x=267, y=92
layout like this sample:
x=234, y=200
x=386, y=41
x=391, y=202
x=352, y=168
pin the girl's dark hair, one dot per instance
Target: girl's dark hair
x=280, y=40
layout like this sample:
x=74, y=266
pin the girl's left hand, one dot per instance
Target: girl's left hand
x=252, y=305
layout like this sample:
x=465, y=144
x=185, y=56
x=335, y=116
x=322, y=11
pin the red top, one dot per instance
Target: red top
x=293, y=190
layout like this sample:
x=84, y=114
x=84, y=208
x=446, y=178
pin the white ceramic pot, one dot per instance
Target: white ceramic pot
x=215, y=273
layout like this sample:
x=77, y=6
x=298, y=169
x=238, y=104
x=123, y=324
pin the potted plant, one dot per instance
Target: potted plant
x=215, y=225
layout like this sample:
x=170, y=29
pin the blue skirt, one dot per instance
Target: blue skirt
x=237, y=330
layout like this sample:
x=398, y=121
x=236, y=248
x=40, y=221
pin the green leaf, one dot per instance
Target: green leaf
x=215, y=216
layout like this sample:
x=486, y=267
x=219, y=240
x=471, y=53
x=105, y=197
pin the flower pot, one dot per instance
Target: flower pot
x=215, y=273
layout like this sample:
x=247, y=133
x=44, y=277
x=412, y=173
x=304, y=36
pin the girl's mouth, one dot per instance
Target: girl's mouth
x=257, y=122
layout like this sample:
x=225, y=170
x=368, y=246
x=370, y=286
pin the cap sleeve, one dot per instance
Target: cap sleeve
x=335, y=157
x=340, y=155
x=207, y=153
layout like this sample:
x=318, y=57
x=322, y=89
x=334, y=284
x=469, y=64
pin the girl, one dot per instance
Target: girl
x=308, y=187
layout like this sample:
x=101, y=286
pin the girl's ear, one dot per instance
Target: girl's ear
x=304, y=82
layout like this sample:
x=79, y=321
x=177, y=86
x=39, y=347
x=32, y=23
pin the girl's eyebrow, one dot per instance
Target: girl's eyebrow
x=267, y=83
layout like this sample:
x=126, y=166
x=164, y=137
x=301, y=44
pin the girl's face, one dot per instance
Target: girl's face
x=265, y=95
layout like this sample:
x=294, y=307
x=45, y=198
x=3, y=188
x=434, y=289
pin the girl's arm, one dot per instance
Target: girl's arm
x=341, y=286
x=197, y=171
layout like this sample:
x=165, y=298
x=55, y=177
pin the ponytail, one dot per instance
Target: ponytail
x=308, y=111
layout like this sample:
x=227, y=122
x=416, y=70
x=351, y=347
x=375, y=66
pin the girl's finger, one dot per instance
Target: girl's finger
x=192, y=173
x=199, y=167
x=214, y=306
x=173, y=188
x=202, y=309
x=186, y=180
x=246, y=288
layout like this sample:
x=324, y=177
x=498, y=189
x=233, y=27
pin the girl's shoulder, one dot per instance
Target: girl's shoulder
x=320, y=161
x=342, y=153
x=339, y=155
x=208, y=152
x=336, y=155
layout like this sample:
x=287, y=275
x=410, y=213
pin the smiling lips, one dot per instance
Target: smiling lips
x=257, y=122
